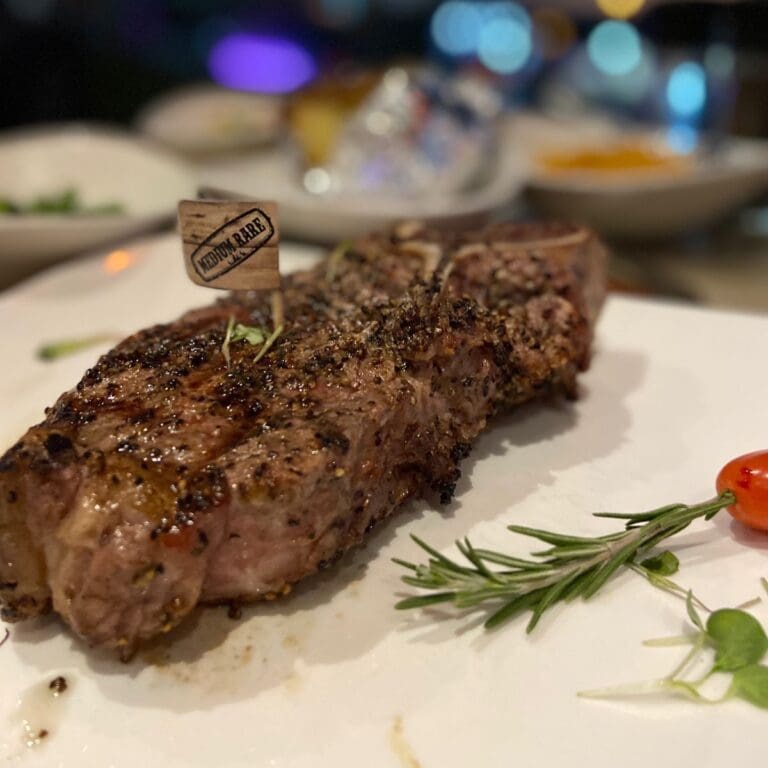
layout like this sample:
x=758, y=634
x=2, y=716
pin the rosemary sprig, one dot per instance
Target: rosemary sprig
x=572, y=566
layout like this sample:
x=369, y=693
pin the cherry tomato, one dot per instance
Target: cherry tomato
x=747, y=477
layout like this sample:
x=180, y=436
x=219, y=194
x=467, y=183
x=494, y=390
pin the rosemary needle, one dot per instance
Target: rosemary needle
x=572, y=566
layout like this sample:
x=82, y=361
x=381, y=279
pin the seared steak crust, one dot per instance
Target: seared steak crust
x=168, y=478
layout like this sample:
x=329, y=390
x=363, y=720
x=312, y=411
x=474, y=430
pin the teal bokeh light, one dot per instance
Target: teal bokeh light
x=687, y=89
x=615, y=47
x=505, y=44
x=456, y=27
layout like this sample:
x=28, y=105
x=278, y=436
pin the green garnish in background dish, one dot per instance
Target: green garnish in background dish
x=53, y=350
x=64, y=202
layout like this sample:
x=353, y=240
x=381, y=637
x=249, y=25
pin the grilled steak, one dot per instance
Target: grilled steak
x=167, y=478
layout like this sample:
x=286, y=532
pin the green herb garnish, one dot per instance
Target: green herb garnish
x=738, y=638
x=739, y=643
x=572, y=567
x=665, y=564
x=55, y=349
x=252, y=334
x=67, y=201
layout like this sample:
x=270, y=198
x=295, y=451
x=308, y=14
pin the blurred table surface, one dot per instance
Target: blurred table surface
x=727, y=268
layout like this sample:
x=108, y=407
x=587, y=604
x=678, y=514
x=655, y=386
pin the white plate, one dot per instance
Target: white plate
x=273, y=176
x=637, y=206
x=334, y=676
x=103, y=166
x=207, y=118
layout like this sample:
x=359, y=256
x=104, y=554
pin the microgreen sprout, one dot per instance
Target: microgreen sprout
x=253, y=335
x=268, y=343
x=335, y=258
x=739, y=644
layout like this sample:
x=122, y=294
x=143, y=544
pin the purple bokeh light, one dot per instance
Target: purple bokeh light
x=262, y=63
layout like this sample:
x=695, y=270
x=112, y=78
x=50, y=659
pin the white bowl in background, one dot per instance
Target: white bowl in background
x=206, y=119
x=638, y=205
x=103, y=165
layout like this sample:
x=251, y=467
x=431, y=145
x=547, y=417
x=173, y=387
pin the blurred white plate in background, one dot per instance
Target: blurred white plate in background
x=327, y=218
x=203, y=119
x=103, y=166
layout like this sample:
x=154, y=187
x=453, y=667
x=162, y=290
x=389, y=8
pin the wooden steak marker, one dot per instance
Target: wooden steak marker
x=233, y=245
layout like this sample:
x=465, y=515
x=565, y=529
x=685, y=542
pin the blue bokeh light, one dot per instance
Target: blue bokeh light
x=262, y=63
x=687, y=89
x=615, y=47
x=682, y=138
x=456, y=27
x=505, y=9
x=505, y=44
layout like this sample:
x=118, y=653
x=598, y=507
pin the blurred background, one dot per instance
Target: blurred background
x=645, y=119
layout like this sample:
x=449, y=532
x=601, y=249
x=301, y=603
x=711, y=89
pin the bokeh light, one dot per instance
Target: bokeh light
x=261, y=63
x=118, y=261
x=505, y=44
x=615, y=47
x=635, y=86
x=620, y=9
x=317, y=181
x=504, y=9
x=682, y=138
x=634, y=91
x=687, y=89
x=499, y=33
x=456, y=27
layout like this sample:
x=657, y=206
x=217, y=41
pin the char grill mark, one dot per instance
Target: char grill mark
x=167, y=478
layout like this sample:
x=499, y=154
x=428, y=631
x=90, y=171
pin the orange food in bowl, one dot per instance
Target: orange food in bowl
x=618, y=158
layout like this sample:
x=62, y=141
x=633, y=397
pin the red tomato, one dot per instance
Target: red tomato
x=747, y=477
